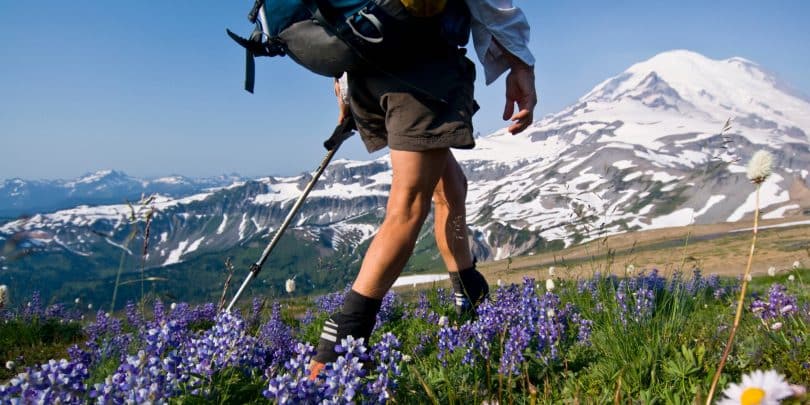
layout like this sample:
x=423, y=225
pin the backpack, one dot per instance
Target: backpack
x=330, y=37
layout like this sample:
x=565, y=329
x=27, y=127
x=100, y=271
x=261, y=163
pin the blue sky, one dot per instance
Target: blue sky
x=155, y=87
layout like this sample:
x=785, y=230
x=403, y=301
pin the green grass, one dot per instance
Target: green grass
x=35, y=342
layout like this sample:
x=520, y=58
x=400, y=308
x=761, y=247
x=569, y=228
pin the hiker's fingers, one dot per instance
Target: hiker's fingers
x=521, y=121
x=508, y=109
x=520, y=90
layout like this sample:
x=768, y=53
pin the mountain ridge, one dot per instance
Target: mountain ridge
x=642, y=150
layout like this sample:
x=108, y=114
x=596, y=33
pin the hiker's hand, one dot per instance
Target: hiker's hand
x=343, y=107
x=519, y=90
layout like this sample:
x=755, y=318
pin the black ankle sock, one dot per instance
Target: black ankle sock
x=356, y=318
x=469, y=286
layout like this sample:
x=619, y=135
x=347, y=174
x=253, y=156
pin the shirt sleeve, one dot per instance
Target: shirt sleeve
x=499, y=20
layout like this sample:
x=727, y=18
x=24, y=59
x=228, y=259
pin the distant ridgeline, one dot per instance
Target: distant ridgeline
x=645, y=149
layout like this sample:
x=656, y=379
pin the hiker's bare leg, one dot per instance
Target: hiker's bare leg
x=415, y=175
x=450, y=226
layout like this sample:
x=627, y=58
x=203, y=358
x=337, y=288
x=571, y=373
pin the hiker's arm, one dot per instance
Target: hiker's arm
x=501, y=37
x=498, y=26
x=342, y=94
x=520, y=90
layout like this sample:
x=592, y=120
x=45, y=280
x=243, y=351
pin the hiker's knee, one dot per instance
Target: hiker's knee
x=410, y=208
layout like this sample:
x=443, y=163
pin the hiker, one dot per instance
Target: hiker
x=420, y=129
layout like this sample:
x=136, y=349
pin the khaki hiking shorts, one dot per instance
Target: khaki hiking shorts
x=393, y=110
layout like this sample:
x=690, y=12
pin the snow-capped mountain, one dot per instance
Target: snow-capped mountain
x=21, y=197
x=644, y=149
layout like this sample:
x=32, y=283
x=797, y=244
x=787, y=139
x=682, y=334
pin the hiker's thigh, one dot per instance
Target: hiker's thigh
x=390, y=112
x=415, y=175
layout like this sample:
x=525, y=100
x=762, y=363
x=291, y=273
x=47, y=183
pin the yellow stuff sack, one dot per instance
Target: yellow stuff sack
x=424, y=8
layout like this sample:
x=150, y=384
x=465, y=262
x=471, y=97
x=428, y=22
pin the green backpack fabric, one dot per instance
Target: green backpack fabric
x=330, y=37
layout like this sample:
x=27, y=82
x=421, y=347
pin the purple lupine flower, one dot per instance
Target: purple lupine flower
x=255, y=312
x=134, y=316
x=142, y=378
x=387, y=309
x=512, y=357
x=294, y=386
x=308, y=317
x=343, y=379
x=226, y=344
x=33, y=308
x=60, y=381
x=778, y=305
x=387, y=357
x=331, y=303
x=696, y=283
x=159, y=312
x=520, y=319
x=644, y=298
x=621, y=301
x=277, y=337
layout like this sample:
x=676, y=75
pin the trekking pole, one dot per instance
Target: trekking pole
x=341, y=133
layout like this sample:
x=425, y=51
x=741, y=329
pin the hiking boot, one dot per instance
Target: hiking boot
x=470, y=290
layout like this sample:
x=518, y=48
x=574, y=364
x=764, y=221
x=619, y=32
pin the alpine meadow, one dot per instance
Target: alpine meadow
x=646, y=244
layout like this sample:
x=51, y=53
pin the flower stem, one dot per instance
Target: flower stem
x=740, y=302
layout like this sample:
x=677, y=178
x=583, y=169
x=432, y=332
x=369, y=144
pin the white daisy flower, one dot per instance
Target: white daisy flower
x=550, y=285
x=551, y=271
x=173, y=306
x=748, y=277
x=760, y=166
x=797, y=264
x=759, y=387
x=630, y=269
x=791, y=277
x=289, y=286
x=443, y=321
x=77, y=301
x=771, y=271
x=90, y=306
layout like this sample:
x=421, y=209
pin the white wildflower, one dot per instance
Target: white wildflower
x=406, y=358
x=443, y=321
x=786, y=308
x=630, y=269
x=3, y=295
x=90, y=306
x=10, y=365
x=289, y=286
x=771, y=271
x=550, y=285
x=748, y=277
x=760, y=166
x=500, y=283
x=758, y=387
x=791, y=277
x=797, y=264
x=776, y=326
x=550, y=313
x=551, y=271
x=173, y=306
x=77, y=301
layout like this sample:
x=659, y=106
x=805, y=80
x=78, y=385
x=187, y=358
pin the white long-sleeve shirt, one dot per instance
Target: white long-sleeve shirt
x=499, y=20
